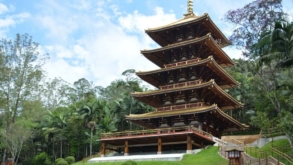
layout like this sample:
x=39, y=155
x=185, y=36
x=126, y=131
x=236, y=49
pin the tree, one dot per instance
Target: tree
x=276, y=46
x=14, y=137
x=20, y=76
x=108, y=121
x=57, y=93
x=274, y=52
x=92, y=113
x=84, y=89
x=243, y=72
x=55, y=123
x=253, y=19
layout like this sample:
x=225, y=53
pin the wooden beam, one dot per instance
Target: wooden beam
x=196, y=144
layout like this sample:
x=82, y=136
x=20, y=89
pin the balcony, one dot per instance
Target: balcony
x=183, y=106
x=156, y=132
x=182, y=63
x=178, y=85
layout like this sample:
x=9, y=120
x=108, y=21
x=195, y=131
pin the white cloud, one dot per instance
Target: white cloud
x=105, y=49
x=8, y=20
x=290, y=14
x=232, y=52
x=3, y=8
x=136, y=22
x=115, y=10
x=61, y=68
x=12, y=20
x=98, y=44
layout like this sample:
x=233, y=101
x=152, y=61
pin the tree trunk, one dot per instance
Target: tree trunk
x=85, y=150
x=61, y=143
x=91, y=143
x=4, y=156
x=290, y=141
x=53, y=148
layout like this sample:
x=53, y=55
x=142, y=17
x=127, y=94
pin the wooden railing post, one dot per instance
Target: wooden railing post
x=266, y=157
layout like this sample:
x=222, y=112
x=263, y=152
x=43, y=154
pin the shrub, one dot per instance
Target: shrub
x=129, y=162
x=62, y=162
x=58, y=159
x=47, y=162
x=42, y=158
x=70, y=159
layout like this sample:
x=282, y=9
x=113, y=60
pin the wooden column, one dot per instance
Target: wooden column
x=159, y=145
x=189, y=145
x=103, y=149
x=126, y=149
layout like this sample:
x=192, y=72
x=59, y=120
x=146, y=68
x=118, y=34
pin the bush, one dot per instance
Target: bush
x=58, y=159
x=70, y=160
x=62, y=162
x=129, y=162
x=42, y=158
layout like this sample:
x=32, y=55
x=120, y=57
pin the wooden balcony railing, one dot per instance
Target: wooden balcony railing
x=183, y=106
x=178, y=85
x=155, y=132
x=182, y=63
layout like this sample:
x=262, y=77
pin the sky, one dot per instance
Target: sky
x=99, y=39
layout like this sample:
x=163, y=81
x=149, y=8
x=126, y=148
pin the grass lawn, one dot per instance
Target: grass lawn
x=208, y=156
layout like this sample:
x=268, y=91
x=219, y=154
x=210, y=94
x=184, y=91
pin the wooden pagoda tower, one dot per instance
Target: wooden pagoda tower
x=191, y=99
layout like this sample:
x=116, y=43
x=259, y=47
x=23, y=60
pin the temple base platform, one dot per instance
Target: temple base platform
x=155, y=157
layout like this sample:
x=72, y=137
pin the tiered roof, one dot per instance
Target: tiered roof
x=214, y=109
x=191, y=80
x=206, y=65
x=159, y=56
x=202, y=23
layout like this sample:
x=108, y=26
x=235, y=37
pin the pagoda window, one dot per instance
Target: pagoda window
x=174, y=57
x=180, y=101
x=182, y=55
x=167, y=103
x=182, y=79
x=189, y=34
x=191, y=53
x=193, y=75
x=193, y=99
x=179, y=36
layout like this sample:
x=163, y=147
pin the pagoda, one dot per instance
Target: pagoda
x=191, y=97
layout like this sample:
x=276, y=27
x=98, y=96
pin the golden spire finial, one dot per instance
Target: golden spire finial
x=190, y=7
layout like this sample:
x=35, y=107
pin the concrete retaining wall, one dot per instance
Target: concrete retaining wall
x=263, y=141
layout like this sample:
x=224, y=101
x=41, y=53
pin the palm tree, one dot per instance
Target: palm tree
x=276, y=46
x=55, y=124
x=107, y=124
x=275, y=51
x=91, y=114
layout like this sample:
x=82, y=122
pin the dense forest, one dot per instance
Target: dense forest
x=47, y=119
